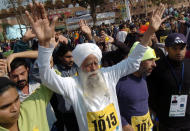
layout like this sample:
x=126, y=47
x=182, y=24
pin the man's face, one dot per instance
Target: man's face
x=20, y=76
x=102, y=33
x=67, y=59
x=9, y=107
x=176, y=52
x=90, y=64
x=147, y=67
x=134, y=30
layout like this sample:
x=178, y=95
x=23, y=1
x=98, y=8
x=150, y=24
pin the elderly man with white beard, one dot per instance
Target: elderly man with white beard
x=93, y=92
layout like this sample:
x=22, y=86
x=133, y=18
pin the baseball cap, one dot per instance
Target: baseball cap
x=175, y=39
x=4, y=81
x=132, y=26
x=149, y=54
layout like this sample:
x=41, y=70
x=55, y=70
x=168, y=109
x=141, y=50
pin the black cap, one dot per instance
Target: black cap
x=4, y=81
x=132, y=26
x=175, y=39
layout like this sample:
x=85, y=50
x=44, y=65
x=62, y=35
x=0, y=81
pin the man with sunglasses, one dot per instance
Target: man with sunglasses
x=169, y=82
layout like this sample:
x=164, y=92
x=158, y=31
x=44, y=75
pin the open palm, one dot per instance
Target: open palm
x=84, y=27
x=40, y=24
x=156, y=18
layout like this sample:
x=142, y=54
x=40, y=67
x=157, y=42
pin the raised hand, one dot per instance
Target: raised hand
x=10, y=58
x=28, y=35
x=53, y=42
x=40, y=24
x=182, y=21
x=84, y=27
x=3, y=67
x=107, y=39
x=155, y=22
x=63, y=39
x=156, y=19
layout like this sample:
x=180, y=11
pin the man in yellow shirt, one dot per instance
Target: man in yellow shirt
x=29, y=115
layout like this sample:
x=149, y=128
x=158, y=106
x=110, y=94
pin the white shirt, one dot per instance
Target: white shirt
x=32, y=88
x=121, y=36
x=70, y=86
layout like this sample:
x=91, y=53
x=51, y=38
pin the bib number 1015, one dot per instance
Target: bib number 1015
x=100, y=125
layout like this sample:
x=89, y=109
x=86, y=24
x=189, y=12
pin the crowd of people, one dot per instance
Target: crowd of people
x=131, y=76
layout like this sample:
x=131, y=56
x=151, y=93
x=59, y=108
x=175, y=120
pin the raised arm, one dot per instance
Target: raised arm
x=44, y=32
x=132, y=63
x=85, y=29
x=26, y=54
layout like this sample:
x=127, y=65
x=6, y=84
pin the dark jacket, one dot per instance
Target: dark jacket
x=162, y=85
x=113, y=57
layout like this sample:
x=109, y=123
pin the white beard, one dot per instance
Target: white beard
x=94, y=88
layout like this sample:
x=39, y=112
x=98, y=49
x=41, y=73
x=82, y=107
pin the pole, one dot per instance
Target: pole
x=128, y=12
x=145, y=5
x=18, y=20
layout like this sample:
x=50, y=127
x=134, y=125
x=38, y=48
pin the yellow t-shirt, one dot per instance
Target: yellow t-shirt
x=33, y=111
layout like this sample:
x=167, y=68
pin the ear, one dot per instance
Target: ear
x=166, y=48
x=27, y=69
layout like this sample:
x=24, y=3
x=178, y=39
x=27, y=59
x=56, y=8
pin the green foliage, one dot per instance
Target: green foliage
x=92, y=3
x=1, y=37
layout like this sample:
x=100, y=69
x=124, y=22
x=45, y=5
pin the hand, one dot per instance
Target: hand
x=85, y=29
x=28, y=35
x=128, y=128
x=40, y=24
x=10, y=58
x=156, y=19
x=53, y=42
x=182, y=21
x=63, y=39
x=3, y=67
x=107, y=39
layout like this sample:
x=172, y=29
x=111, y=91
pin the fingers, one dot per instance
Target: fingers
x=37, y=10
x=52, y=24
x=85, y=23
x=43, y=12
x=165, y=18
x=3, y=66
x=29, y=17
x=161, y=10
x=33, y=12
x=81, y=23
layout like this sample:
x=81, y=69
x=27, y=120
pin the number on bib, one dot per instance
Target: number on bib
x=105, y=120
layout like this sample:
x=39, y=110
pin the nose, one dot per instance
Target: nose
x=178, y=51
x=19, y=77
x=72, y=59
x=14, y=107
x=153, y=63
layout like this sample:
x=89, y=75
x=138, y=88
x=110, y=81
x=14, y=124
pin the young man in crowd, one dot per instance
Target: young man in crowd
x=20, y=75
x=132, y=93
x=92, y=93
x=29, y=115
x=169, y=81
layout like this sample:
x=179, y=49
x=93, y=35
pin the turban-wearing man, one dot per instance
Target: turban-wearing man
x=93, y=92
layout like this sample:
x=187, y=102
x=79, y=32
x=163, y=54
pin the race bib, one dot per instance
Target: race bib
x=178, y=106
x=104, y=120
x=142, y=123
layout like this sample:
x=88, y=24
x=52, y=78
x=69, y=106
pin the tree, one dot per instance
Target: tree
x=19, y=2
x=93, y=4
x=49, y=5
x=59, y=4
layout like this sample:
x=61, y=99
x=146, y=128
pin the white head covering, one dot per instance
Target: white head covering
x=82, y=51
